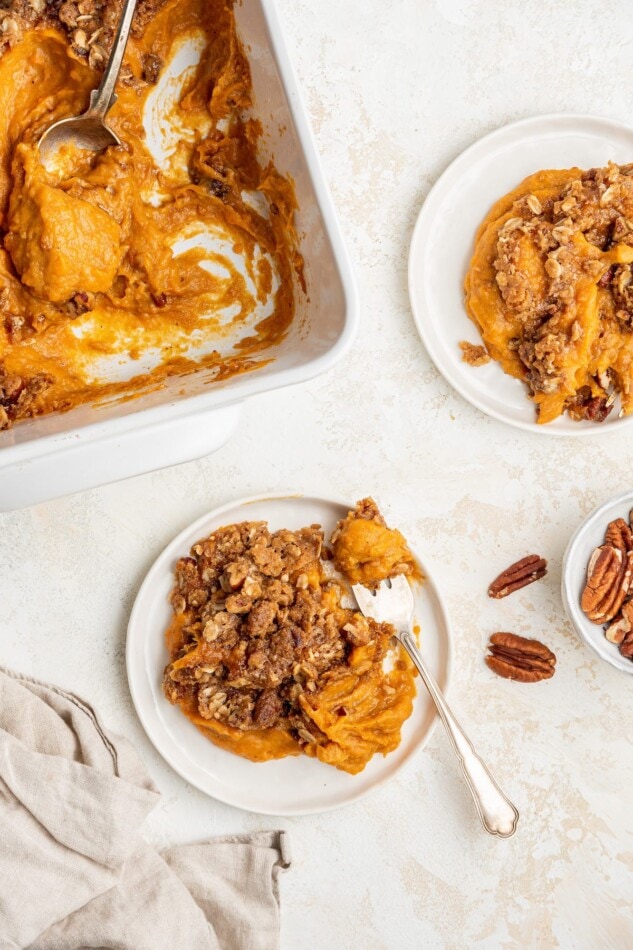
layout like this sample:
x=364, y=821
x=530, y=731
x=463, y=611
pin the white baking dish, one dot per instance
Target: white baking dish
x=189, y=417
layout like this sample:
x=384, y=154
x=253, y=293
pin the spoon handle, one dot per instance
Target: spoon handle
x=102, y=98
x=497, y=813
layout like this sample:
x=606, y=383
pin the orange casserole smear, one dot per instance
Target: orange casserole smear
x=267, y=659
x=550, y=287
x=88, y=264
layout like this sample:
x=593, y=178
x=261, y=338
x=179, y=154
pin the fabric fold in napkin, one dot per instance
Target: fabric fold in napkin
x=74, y=870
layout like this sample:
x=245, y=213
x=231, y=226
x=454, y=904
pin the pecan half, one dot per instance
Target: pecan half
x=609, y=574
x=518, y=575
x=619, y=535
x=517, y=658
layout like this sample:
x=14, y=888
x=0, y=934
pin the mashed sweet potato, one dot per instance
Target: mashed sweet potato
x=367, y=551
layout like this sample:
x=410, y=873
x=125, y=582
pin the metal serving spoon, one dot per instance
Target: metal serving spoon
x=393, y=603
x=89, y=130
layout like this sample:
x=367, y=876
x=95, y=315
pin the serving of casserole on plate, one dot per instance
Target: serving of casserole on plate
x=549, y=288
x=197, y=264
x=521, y=299
x=278, y=675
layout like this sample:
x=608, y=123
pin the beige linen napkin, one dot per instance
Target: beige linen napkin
x=74, y=871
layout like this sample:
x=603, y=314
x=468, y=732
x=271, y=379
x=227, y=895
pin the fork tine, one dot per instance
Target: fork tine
x=392, y=601
x=401, y=586
x=364, y=598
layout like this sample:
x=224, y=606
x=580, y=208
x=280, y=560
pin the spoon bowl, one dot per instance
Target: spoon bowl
x=87, y=131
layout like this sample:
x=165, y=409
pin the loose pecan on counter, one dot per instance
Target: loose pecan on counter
x=517, y=658
x=518, y=575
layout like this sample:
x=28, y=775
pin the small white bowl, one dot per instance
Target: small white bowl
x=587, y=537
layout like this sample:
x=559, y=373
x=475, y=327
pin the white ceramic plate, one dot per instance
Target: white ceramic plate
x=292, y=786
x=589, y=536
x=442, y=246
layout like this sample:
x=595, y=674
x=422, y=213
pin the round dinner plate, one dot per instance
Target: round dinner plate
x=587, y=537
x=443, y=244
x=295, y=785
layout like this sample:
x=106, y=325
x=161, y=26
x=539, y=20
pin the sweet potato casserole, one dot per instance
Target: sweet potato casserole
x=550, y=287
x=266, y=658
x=174, y=250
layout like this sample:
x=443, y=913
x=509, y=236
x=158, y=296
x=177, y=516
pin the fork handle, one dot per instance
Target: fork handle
x=497, y=813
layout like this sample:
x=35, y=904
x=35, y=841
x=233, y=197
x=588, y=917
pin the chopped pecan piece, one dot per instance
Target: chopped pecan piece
x=607, y=277
x=517, y=658
x=609, y=574
x=79, y=304
x=152, y=66
x=626, y=647
x=18, y=395
x=518, y=575
x=586, y=406
x=268, y=707
x=622, y=290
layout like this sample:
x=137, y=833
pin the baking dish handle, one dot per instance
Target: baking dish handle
x=92, y=460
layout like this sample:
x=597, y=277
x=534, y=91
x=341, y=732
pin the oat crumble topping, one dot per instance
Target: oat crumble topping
x=473, y=354
x=89, y=24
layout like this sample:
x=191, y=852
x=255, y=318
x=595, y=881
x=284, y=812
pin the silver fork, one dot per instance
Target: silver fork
x=393, y=603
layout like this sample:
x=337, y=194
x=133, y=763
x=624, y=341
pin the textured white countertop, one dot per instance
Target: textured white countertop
x=396, y=89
